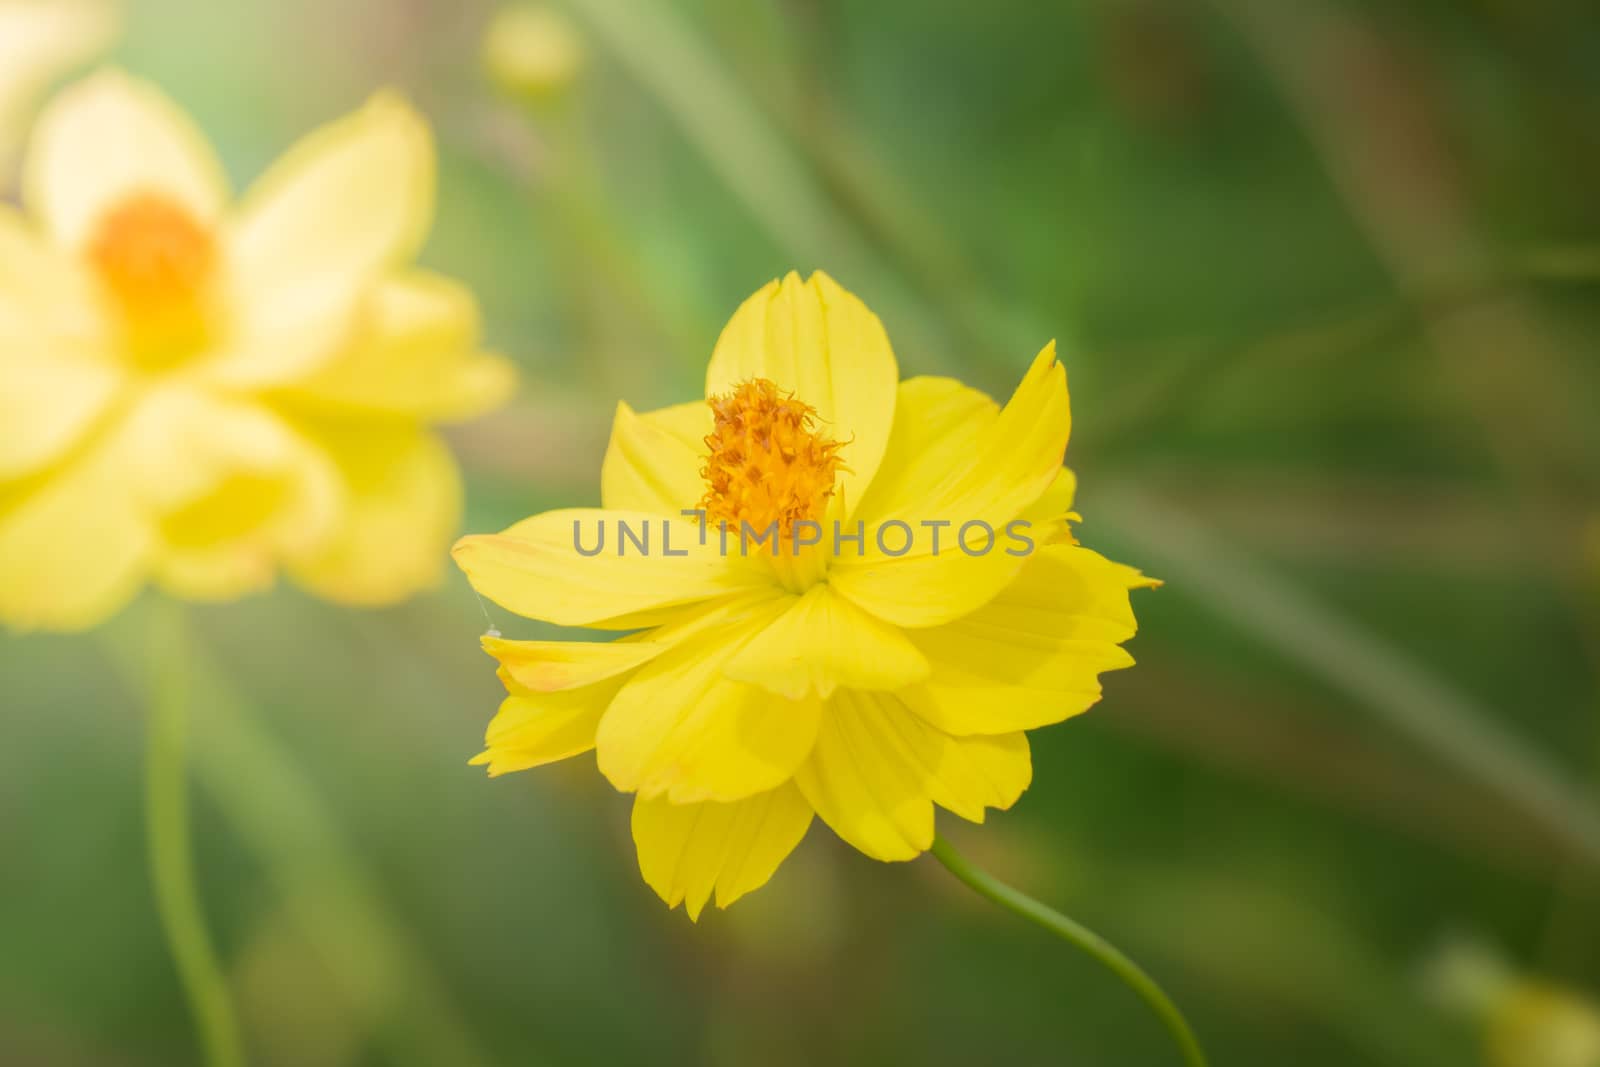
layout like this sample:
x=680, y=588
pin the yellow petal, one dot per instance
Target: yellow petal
x=536, y=568
x=234, y=487
x=1031, y=656
x=110, y=136
x=1020, y=454
x=285, y=336
x=401, y=504
x=54, y=386
x=877, y=770
x=820, y=342
x=989, y=469
x=1057, y=500
x=416, y=355
x=547, y=666
x=952, y=456
x=184, y=442
x=47, y=405
x=532, y=729
x=350, y=200
x=39, y=41
x=74, y=545
x=43, y=288
x=687, y=851
x=653, y=461
x=680, y=727
x=938, y=429
x=344, y=207
x=925, y=590
x=823, y=642
x=58, y=371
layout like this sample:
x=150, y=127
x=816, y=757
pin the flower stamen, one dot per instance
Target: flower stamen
x=767, y=463
x=156, y=262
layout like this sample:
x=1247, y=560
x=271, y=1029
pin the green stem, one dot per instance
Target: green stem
x=171, y=855
x=1131, y=973
x=269, y=803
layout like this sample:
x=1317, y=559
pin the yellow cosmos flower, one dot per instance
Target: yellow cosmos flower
x=864, y=681
x=205, y=394
x=41, y=40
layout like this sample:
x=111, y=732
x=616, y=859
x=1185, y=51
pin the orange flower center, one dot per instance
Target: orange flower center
x=156, y=262
x=767, y=463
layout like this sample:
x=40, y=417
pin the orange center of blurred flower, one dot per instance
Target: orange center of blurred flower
x=767, y=463
x=156, y=262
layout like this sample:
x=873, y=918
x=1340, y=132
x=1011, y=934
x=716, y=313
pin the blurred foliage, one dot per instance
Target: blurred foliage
x=1325, y=274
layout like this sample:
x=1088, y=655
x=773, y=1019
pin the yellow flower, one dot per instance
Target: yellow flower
x=1526, y=1021
x=852, y=680
x=203, y=394
x=39, y=41
x=532, y=51
x=1537, y=1025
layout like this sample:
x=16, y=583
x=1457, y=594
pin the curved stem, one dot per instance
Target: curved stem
x=1131, y=974
x=171, y=856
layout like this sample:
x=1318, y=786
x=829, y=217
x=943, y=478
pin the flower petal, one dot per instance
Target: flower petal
x=919, y=591
x=38, y=42
x=235, y=490
x=545, y=666
x=537, y=570
x=43, y=288
x=401, y=505
x=285, y=337
x=548, y=666
x=416, y=355
x=679, y=727
x=106, y=137
x=823, y=642
x=986, y=468
x=56, y=381
x=1031, y=656
x=816, y=340
x=954, y=456
x=687, y=851
x=350, y=200
x=939, y=427
x=48, y=402
x=532, y=729
x=1057, y=501
x=653, y=461
x=877, y=770
x=74, y=546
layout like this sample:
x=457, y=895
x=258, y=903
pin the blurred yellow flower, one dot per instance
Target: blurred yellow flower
x=39, y=41
x=865, y=675
x=1533, y=1024
x=1526, y=1020
x=531, y=51
x=203, y=395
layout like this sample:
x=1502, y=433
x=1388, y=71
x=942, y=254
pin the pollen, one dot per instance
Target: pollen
x=767, y=462
x=156, y=262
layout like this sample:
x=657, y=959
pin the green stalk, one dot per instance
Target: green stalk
x=262, y=795
x=1132, y=975
x=171, y=852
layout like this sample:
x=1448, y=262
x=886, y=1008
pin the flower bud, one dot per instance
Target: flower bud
x=532, y=51
x=1539, y=1025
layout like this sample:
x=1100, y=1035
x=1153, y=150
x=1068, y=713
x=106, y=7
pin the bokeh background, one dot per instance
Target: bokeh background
x=1325, y=277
